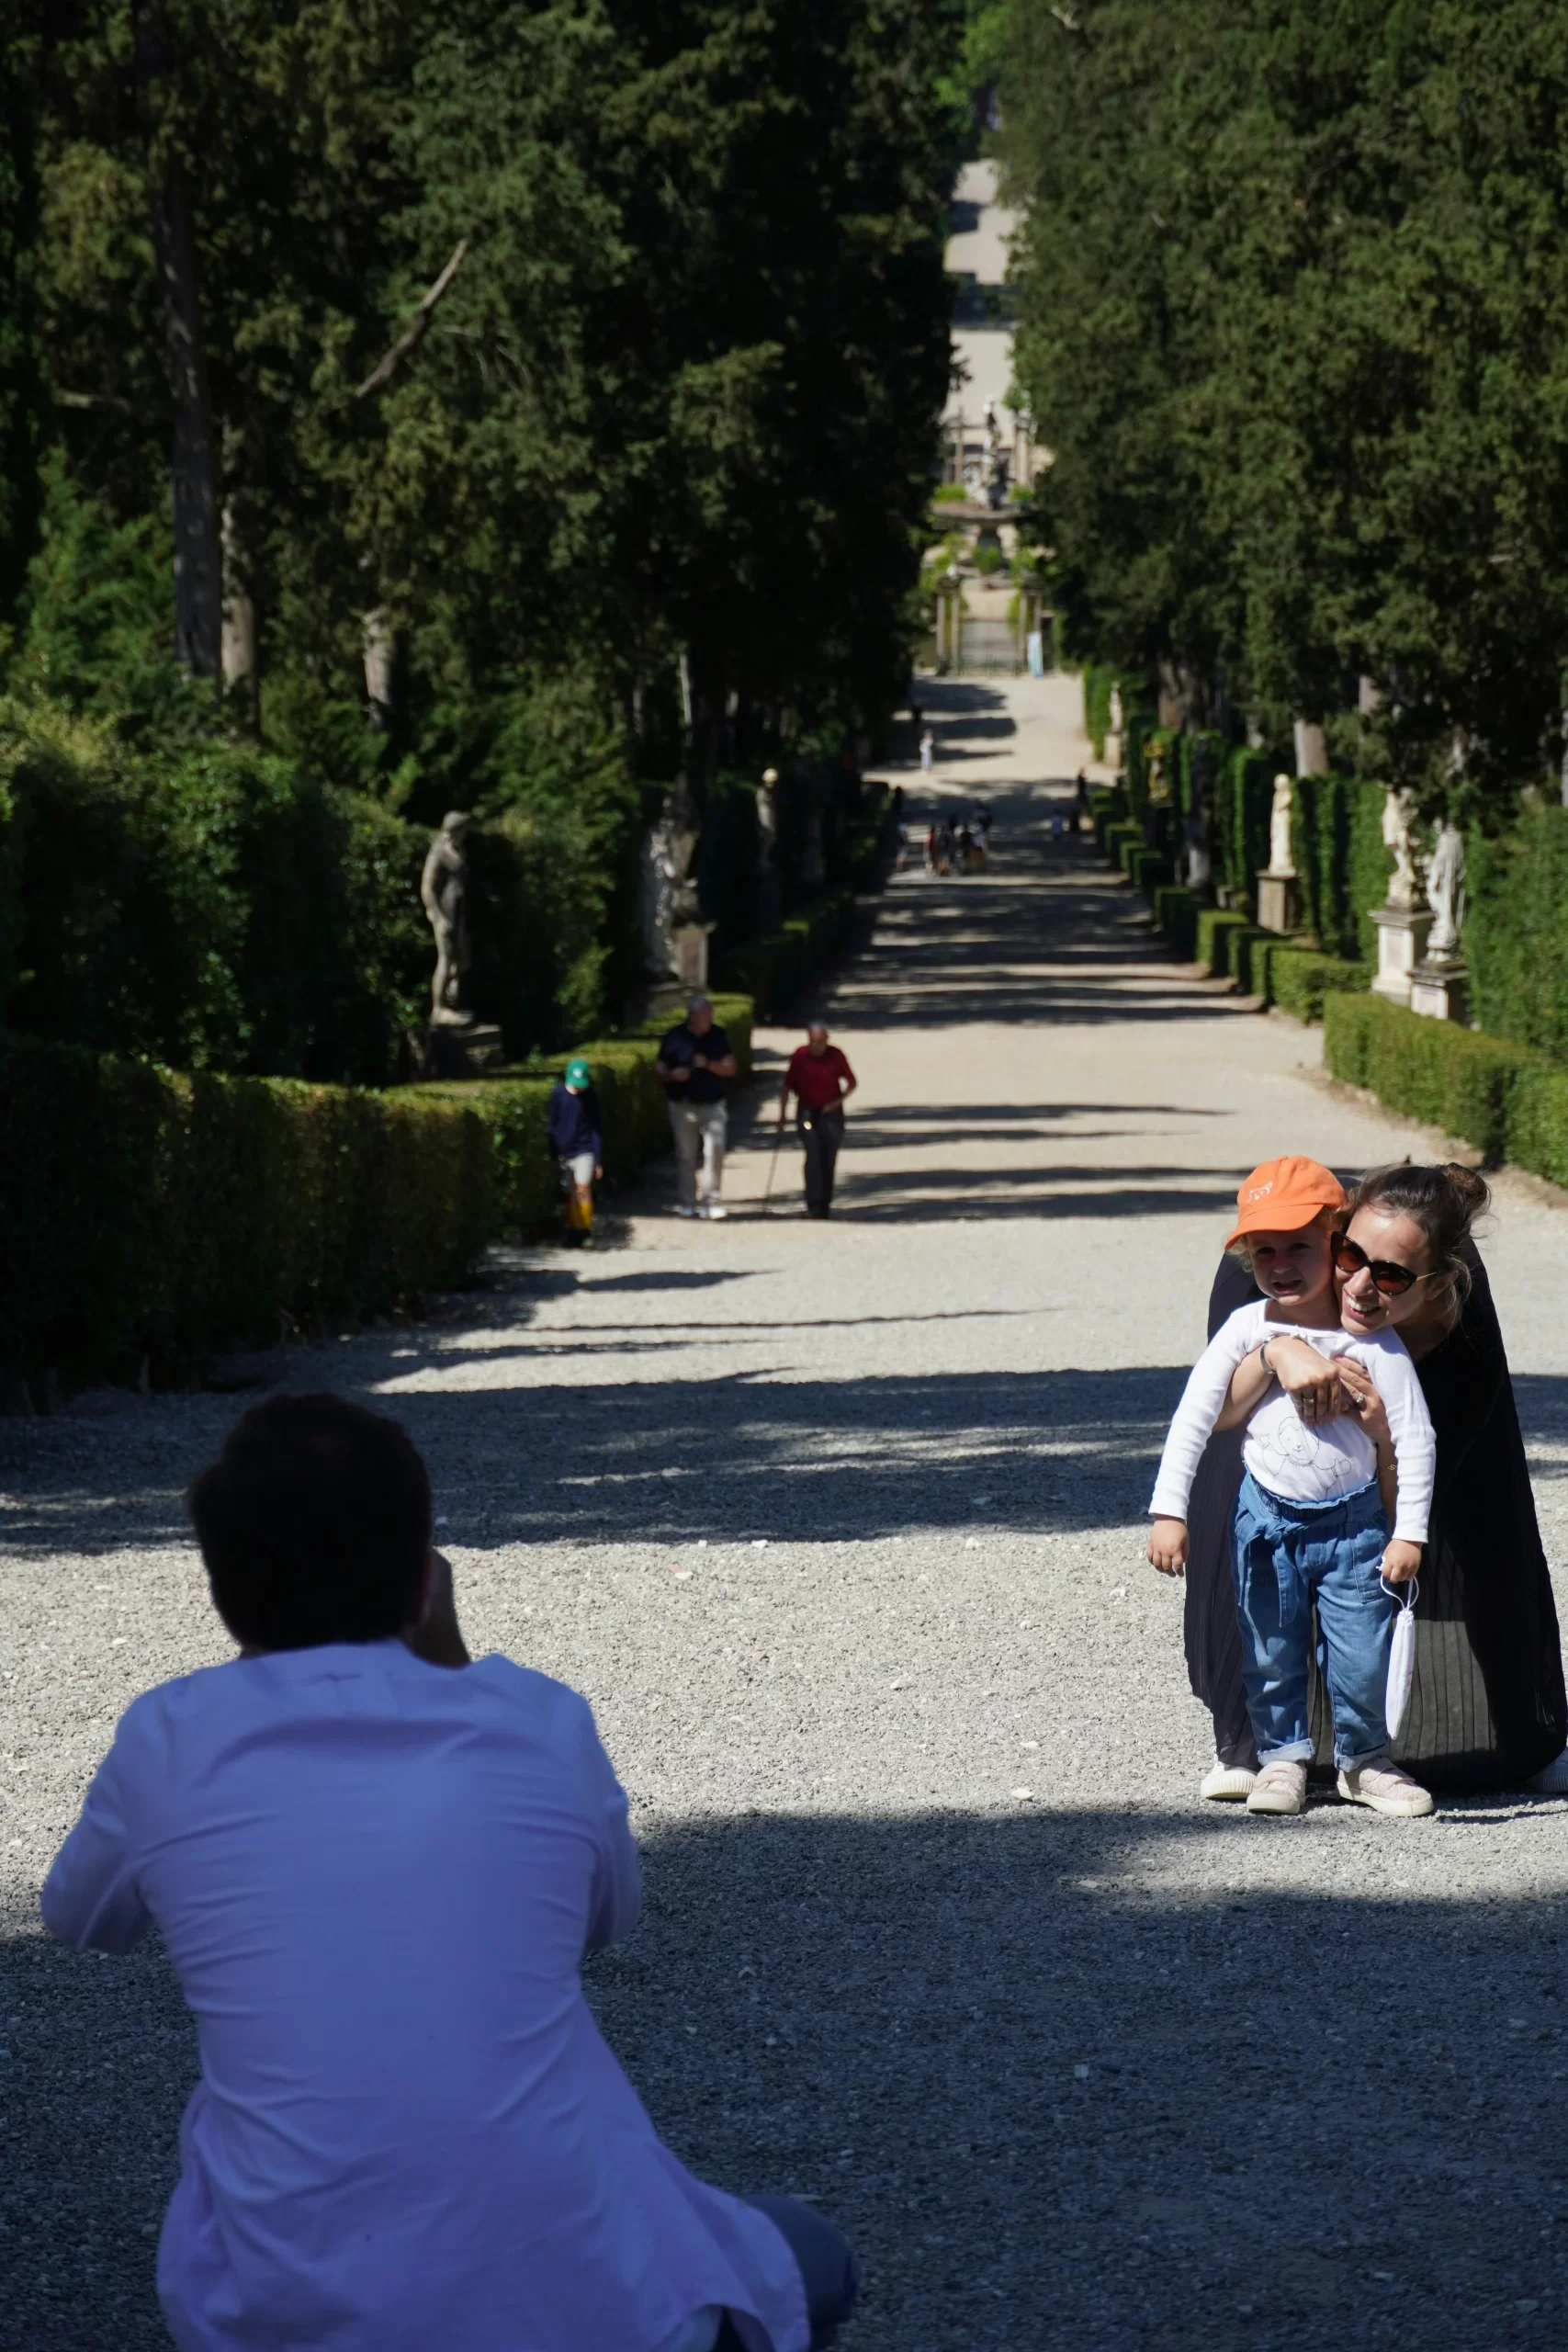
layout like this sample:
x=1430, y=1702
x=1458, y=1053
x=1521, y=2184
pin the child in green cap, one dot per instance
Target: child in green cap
x=577, y=1140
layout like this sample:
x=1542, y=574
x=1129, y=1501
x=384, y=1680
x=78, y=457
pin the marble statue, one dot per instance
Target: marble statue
x=1398, y=815
x=1281, y=858
x=667, y=894
x=443, y=893
x=1445, y=892
x=767, y=819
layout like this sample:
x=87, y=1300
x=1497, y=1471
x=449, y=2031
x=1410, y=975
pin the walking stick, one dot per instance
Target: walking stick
x=778, y=1139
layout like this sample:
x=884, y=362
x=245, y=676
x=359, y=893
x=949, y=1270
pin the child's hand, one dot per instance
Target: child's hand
x=1401, y=1561
x=1167, y=1546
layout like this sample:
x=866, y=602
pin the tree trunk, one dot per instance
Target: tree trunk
x=1312, y=747
x=238, y=646
x=198, y=563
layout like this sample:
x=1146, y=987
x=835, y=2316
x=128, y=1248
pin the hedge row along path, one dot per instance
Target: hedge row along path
x=840, y=1528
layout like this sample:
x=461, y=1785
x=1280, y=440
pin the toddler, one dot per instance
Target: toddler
x=1310, y=1521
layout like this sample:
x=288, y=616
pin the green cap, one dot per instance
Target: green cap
x=577, y=1076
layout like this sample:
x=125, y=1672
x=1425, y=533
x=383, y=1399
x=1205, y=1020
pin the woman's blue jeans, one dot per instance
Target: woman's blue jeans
x=1286, y=1557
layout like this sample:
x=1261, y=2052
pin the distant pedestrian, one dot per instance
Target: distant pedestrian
x=821, y=1080
x=1084, y=814
x=696, y=1064
x=1058, y=826
x=577, y=1139
x=928, y=745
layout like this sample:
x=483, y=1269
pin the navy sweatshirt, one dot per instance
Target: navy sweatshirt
x=574, y=1124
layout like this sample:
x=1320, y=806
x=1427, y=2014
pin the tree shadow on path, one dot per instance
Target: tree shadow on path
x=1063, y=2077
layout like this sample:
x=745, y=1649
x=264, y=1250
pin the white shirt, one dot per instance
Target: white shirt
x=1305, y=1465
x=376, y=1879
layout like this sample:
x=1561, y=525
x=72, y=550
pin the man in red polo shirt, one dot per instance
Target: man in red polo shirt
x=821, y=1079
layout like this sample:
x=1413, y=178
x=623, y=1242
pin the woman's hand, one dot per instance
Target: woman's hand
x=1401, y=1561
x=1362, y=1399
x=1167, y=1546
x=1311, y=1380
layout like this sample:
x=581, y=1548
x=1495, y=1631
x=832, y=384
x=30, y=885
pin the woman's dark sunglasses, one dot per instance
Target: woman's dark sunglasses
x=1392, y=1281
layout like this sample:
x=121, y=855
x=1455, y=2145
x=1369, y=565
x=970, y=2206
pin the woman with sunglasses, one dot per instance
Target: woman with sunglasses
x=1488, y=1709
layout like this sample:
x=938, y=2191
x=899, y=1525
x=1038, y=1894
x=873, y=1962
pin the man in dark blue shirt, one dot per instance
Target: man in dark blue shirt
x=577, y=1139
x=697, y=1062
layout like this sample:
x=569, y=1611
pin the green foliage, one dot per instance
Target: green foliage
x=152, y=1214
x=1338, y=843
x=214, y=905
x=158, y=1215
x=949, y=493
x=677, y=403
x=1515, y=930
x=1176, y=913
x=1099, y=685
x=1293, y=321
x=1215, y=928
x=1247, y=793
x=21, y=371
x=1298, y=979
x=1505, y=1099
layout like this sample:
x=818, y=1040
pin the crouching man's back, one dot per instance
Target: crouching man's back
x=377, y=1877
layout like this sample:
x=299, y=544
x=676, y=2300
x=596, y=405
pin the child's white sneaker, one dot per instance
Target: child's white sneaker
x=1226, y=1783
x=1386, y=1789
x=1281, y=1787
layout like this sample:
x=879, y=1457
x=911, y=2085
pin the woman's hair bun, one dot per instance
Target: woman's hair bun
x=1471, y=1185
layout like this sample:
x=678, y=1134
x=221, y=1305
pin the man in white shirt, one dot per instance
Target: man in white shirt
x=378, y=1865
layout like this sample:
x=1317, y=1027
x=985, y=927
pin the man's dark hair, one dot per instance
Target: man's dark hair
x=314, y=1524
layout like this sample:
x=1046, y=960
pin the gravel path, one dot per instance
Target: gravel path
x=839, y=1527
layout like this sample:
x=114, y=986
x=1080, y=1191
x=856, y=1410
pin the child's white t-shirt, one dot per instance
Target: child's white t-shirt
x=1303, y=1465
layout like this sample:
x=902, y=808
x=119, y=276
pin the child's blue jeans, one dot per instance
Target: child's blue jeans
x=1287, y=1555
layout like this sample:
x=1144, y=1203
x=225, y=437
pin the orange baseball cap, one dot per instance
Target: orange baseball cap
x=1284, y=1194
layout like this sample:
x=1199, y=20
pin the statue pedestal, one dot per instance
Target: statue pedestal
x=1439, y=987
x=1278, y=900
x=1401, y=939
x=456, y=1048
x=690, y=943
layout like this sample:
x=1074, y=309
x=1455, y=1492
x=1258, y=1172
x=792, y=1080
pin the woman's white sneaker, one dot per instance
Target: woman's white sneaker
x=1552, y=1779
x=1226, y=1783
x=1281, y=1787
x=1386, y=1789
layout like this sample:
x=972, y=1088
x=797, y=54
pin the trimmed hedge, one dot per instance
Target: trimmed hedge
x=1107, y=807
x=158, y=1215
x=154, y=1214
x=1515, y=930
x=1508, y=1100
x=1176, y=913
x=1299, y=978
x=1214, y=927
